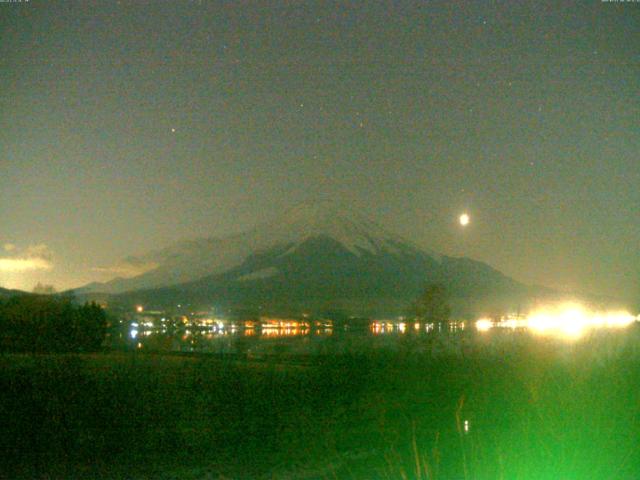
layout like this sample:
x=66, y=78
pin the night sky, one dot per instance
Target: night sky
x=125, y=126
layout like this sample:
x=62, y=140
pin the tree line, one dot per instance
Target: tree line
x=49, y=324
x=432, y=305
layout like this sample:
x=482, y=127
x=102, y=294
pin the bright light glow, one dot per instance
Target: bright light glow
x=568, y=320
x=34, y=257
x=464, y=219
x=571, y=320
x=484, y=324
x=24, y=264
x=512, y=323
x=139, y=309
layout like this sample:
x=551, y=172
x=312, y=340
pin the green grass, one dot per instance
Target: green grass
x=539, y=411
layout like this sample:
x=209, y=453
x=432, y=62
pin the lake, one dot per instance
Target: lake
x=293, y=339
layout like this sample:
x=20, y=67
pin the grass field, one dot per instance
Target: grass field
x=539, y=411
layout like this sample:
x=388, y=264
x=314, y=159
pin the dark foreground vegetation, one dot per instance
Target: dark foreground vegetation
x=47, y=324
x=536, y=412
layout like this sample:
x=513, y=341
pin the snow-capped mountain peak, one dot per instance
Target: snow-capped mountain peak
x=190, y=260
x=352, y=231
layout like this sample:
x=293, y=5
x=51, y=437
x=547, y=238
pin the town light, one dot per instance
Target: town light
x=567, y=320
x=484, y=324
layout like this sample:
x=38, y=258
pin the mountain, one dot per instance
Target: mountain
x=190, y=260
x=315, y=257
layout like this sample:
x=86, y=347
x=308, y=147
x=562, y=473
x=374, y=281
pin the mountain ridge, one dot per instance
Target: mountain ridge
x=189, y=260
x=312, y=258
x=321, y=275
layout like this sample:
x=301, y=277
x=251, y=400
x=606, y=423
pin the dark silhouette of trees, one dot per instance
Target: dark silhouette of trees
x=42, y=324
x=41, y=289
x=433, y=304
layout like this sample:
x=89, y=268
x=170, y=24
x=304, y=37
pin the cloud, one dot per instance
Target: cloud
x=38, y=251
x=33, y=257
x=129, y=267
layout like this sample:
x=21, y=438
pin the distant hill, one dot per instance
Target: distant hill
x=11, y=293
x=314, y=258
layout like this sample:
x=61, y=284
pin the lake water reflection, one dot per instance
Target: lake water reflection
x=255, y=340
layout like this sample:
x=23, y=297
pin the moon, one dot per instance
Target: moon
x=464, y=219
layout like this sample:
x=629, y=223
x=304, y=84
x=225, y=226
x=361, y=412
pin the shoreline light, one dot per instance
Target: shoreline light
x=484, y=324
x=569, y=320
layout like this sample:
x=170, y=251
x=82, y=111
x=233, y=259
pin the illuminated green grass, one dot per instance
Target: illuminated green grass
x=538, y=411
